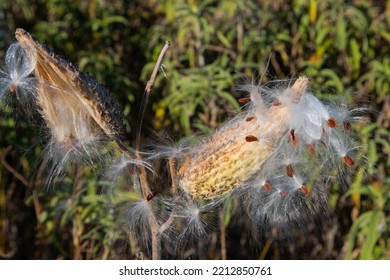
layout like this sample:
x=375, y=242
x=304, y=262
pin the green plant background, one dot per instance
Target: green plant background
x=342, y=46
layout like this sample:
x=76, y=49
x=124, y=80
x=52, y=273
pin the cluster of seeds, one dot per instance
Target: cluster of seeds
x=281, y=129
x=277, y=156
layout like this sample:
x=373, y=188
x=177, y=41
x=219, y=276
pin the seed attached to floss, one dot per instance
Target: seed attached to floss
x=251, y=138
x=221, y=162
x=248, y=119
x=267, y=186
x=244, y=99
x=12, y=89
x=283, y=194
x=277, y=102
x=347, y=126
x=311, y=148
x=289, y=171
x=349, y=161
x=332, y=123
x=150, y=196
x=305, y=190
x=293, y=138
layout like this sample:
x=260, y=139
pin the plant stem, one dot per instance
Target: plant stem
x=147, y=90
x=154, y=227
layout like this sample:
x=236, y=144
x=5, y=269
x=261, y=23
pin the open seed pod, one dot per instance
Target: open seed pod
x=273, y=143
x=76, y=108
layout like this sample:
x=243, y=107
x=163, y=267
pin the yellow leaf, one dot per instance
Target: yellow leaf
x=313, y=10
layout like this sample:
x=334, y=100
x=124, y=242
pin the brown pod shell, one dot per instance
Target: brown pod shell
x=68, y=97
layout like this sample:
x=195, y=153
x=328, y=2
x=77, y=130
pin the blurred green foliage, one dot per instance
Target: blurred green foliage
x=342, y=46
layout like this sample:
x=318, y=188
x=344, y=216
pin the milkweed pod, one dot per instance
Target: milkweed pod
x=236, y=152
x=74, y=106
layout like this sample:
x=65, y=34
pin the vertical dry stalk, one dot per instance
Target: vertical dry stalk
x=155, y=229
x=148, y=88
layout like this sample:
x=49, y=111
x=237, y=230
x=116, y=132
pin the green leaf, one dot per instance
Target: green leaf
x=230, y=98
x=341, y=35
x=321, y=35
x=223, y=40
x=185, y=120
x=354, y=231
x=227, y=212
x=373, y=234
x=356, y=55
x=43, y=216
x=332, y=79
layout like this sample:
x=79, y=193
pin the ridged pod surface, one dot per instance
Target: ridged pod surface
x=237, y=151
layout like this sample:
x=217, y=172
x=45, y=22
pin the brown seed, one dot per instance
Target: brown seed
x=244, y=99
x=332, y=123
x=349, y=161
x=267, y=186
x=283, y=194
x=323, y=144
x=251, y=138
x=293, y=138
x=347, y=126
x=151, y=195
x=12, y=88
x=248, y=119
x=289, y=171
x=305, y=190
x=311, y=148
x=131, y=170
x=277, y=102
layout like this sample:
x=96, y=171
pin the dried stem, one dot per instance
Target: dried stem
x=155, y=229
x=146, y=191
x=143, y=174
x=156, y=238
x=265, y=249
x=168, y=222
x=147, y=90
x=172, y=169
x=12, y=170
